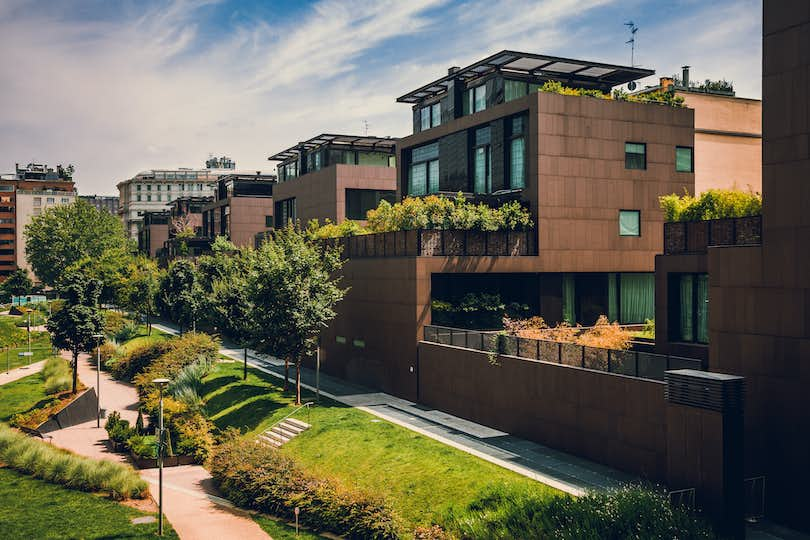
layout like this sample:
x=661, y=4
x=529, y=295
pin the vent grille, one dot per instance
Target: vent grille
x=705, y=390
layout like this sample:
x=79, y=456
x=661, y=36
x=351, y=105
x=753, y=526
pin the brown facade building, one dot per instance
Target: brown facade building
x=186, y=238
x=241, y=209
x=333, y=177
x=153, y=233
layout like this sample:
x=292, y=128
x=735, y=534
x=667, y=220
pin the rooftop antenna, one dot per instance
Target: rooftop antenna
x=631, y=26
x=365, y=128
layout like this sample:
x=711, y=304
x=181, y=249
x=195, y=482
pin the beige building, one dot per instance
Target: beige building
x=30, y=203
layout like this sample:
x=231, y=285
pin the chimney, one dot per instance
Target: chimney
x=666, y=83
x=685, y=76
x=453, y=69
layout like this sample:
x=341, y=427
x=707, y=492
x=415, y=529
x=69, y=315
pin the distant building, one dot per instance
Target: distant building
x=102, y=202
x=154, y=232
x=223, y=162
x=185, y=213
x=242, y=207
x=24, y=194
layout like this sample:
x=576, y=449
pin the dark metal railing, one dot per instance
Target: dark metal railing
x=439, y=242
x=698, y=236
x=631, y=363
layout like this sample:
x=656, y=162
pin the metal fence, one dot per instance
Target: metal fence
x=632, y=363
x=21, y=356
x=697, y=236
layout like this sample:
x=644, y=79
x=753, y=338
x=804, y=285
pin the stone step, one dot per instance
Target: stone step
x=292, y=428
x=267, y=440
x=280, y=431
x=299, y=423
x=278, y=435
x=283, y=432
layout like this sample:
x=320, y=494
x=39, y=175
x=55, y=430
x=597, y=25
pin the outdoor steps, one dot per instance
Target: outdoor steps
x=283, y=432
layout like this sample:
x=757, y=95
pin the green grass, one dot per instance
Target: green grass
x=143, y=338
x=10, y=335
x=31, y=508
x=278, y=530
x=22, y=395
x=421, y=478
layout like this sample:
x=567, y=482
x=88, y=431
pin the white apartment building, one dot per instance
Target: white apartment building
x=32, y=203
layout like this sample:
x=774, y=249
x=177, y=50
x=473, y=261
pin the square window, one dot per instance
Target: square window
x=635, y=155
x=684, y=159
x=268, y=221
x=629, y=223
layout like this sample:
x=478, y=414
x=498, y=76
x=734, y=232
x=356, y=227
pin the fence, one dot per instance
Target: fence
x=697, y=236
x=632, y=363
x=16, y=357
x=435, y=243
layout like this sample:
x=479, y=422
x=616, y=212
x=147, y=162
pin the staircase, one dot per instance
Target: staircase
x=283, y=431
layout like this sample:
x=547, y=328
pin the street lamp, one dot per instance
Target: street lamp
x=98, y=338
x=161, y=384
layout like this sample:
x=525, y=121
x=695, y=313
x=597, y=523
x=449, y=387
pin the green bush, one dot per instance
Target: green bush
x=41, y=460
x=261, y=478
x=113, y=322
x=711, y=204
x=128, y=331
x=194, y=437
x=118, y=430
x=138, y=359
x=37, y=319
x=144, y=446
x=57, y=375
x=176, y=354
x=629, y=512
x=332, y=230
x=476, y=311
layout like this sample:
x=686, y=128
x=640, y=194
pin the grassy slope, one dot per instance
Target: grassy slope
x=40, y=343
x=31, y=508
x=21, y=395
x=420, y=477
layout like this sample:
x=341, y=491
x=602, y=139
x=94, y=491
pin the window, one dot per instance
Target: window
x=182, y=187
x=684, y=159
x=148, y=187
x=37, y=201
x=377, y=159
x=689, y=302
x=158, y=187
x=6, y=187
x=284, y=212
x=314, y=161
x=629, y=223
x=635, y=155
x=148, y=198
x=425, y=117
x=65, y=200
x=423, y=175
x=514, y=90
x=516, y=160
x=6, y=220
x=360, y=201
x=475, y=99
x=138, y=187
x=482, y=161
x=49, y=200
x=199, y=187
x=431, y=116
x=159, y=197
x=268, y=221
x=139, y=198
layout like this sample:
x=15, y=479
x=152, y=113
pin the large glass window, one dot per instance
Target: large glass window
x=684, y=159
x=690, y=312
x=516, y=161
x=637, y=298
x=285, y=212
x=431, y=116
x=629, y=223
x=423, y=174
x=635, y=155
x=482, y=161
x=514, y=90
x=378, y=159
x=360, y=201
x=475, y=99
x=425, y=117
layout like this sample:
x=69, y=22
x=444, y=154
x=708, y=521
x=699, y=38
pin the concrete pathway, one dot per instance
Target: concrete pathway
x=191, y=503
x=558, y=469
x=20, y=372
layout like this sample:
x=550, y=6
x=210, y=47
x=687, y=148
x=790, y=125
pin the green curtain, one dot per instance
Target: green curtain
x=568, y=298
x=637, y=298
x=480, y=169
x=433, y=176
x=687, y=332
x=418, y=179
x=514, y=89
x=702, y=308
x=612, y=298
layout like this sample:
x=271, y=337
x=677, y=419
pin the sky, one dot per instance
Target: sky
x=117, y=87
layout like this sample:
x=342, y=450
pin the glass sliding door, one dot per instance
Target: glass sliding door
x=687, y=332
x=637, y=298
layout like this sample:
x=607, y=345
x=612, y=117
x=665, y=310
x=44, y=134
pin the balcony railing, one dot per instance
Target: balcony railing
x=438, y=243
x=697, y=236
x=631, y=363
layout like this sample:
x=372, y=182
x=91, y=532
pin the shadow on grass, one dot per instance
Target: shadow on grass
x=234, y=395
x=249, y=415
x=212, y=383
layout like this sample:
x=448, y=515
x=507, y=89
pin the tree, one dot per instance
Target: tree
x=180, y=294
x=139, y=288
x=74, y=325
x=294, y=288
x=16, y=284
x=65, y=234
x=110, y=268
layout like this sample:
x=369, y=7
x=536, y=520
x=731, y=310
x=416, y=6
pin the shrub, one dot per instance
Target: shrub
x=605, y=335
x=57, y=375
x=37, y=319
x=51, y=464
x=711, y=204
x=194, y=437
x=475, y=310
x=127, y=332
x=333, y=230
x=187, y=385
x=118, y=430
x=113, y=322
x=109, y=354
x=144, y=446
x=629, y=512
x=261, y=478
x=176, y=354
x=137, y=359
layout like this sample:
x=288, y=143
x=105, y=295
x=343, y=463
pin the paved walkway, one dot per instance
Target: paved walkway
x=191, y=503
x=20, y=372
x=554, y=468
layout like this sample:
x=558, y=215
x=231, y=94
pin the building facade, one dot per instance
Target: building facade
x=153, y=232
x=333, y=177
x=241, y=209
x=102, y=202
x=25, y=194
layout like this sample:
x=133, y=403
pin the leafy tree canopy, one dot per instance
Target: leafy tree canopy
x=180, y=294
x=16, y=284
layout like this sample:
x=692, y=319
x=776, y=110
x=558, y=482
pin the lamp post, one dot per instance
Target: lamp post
x=29, y=329
x=98, y=337
x=161, y=383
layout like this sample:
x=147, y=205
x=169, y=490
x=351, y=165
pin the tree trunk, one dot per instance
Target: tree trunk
x=75, y=369
x=244, y=374
x=298, y=381
x=286, y=372
x=148, y=323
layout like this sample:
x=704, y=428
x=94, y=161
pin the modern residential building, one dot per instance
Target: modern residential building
x=333, y=177
x=152, y=190
x=242, y=207
x=737, y=291
x=186, y=238
x=728, y=133
x=24, y=194
x=590, y=172
x=154, y=232
x=102, y=202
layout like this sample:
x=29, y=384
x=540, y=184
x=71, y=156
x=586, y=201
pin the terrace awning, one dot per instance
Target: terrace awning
x=385, y=144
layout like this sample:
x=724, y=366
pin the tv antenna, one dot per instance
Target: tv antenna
x=365, y=128
x=631, y=26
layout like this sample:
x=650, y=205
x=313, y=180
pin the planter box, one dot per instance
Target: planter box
x=168, y=461
x=431, y=243
x=453, y=243
x=476, y=243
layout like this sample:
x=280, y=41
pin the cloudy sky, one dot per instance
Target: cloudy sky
x=119, y=87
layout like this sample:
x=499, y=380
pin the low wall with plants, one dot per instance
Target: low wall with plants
x=41, y=460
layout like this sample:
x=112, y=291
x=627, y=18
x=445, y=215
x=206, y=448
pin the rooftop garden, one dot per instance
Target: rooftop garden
x=711, y=204
x=660, y=97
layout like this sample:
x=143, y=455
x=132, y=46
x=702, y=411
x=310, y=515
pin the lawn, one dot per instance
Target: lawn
x=31, y=508
x=21, y=395
x=421, y=478
x=143, y=338
x=18, y=338
x=278, y=530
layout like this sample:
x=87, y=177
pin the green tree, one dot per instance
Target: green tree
x=180, y=294
x=63, y=235
x=139, y=287
x=73, y=326
x=110, y=268
x=294, y=288
x=16, y=284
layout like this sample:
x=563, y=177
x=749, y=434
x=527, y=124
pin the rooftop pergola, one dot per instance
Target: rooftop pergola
x=347, y=142
x=567, y=70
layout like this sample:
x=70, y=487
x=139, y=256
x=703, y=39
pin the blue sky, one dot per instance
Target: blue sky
x=119, y=87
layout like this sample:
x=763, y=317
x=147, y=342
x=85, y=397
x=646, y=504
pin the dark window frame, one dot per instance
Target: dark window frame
x=674, y=308
x=638, y=213
x=379, y=195
x=508, y=150
x=691, y=158
x=488, y=159
x=628, y=163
